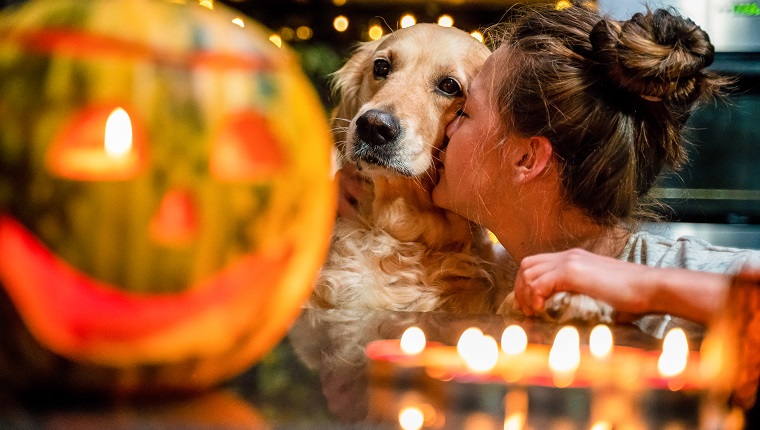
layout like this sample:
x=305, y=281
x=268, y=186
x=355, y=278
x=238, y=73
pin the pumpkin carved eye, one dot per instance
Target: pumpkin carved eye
x=98, y=144
x=245, y=149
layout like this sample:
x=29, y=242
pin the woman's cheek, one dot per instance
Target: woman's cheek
x=440, y=193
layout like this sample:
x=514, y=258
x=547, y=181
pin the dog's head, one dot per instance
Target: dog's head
x=398, y=93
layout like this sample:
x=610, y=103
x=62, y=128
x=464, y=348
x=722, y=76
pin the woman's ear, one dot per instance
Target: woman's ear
x=530, y=158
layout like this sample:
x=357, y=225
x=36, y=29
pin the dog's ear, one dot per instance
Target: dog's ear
x=346, y=83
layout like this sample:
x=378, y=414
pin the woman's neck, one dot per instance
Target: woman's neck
x=570, y=229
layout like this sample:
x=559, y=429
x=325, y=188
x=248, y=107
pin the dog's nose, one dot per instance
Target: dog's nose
x=377, y=127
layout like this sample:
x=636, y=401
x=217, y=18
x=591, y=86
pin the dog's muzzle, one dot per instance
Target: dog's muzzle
x=377, y=128
x=378, y=134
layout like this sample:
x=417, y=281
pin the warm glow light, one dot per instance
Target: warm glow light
x=480, y=352
x=238, y=21
x=408, y=20
x=563, y=4
x=485, y=356
x=413, y=341
x=515, y=421
x=469, y=341
x=304, y=33
x=445, y=21
x=479, y=36
x=601, y=425
x=339, y=2
x=675, y=353
x=600, y=342
x=118, y=136
x=411, y=418
x=276, y=39
x=514, y=340
x=207, y=3
x=375, y=32
x=565, y=355
x=287, y=33
x=340, y=23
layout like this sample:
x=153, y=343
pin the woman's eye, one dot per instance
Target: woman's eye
x=450, y=87
x=382, y=68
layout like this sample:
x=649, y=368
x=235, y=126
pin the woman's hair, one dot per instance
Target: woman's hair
x=613, y=98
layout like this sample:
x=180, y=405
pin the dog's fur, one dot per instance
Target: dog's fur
x=404, y=253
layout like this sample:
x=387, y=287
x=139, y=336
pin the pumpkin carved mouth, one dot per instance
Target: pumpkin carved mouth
x=77, y=316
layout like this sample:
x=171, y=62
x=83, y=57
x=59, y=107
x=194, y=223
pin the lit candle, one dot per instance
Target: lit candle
x=480, y=352
x=412, y=341
x=97, y=145
x=411, y=418
x=600, y=342
x=675, y=353
x=565, y=355
x=514, y=340
x=469, y=341
x=515, y=421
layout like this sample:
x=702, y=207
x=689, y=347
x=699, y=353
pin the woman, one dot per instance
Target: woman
x=564, y=133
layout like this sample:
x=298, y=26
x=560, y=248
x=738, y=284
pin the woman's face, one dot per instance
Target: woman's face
x=469, y=179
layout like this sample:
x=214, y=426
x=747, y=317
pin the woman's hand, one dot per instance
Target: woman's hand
x=352, y=189
x=620, y=284
x=630, y=288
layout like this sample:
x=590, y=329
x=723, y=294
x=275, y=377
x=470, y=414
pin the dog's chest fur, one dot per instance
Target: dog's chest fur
x=406, y=254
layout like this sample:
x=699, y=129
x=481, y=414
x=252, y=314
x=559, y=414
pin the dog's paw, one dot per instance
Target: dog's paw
x=507, y=306
x=565, y=307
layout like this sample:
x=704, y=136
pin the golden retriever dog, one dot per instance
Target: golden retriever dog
x=396, y=96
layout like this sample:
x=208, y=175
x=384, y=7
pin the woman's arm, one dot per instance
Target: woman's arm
x=628, y=287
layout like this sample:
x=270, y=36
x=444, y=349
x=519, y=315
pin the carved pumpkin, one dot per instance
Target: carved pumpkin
x=165, y=199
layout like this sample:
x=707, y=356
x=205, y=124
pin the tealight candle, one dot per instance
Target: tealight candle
x=514, y=340
x=98, y=144
x=600, y=342
x=485, y=356
x=469, y=341
x=675, y=353
x=565, y=356
x=412, y=341
x=411, y=418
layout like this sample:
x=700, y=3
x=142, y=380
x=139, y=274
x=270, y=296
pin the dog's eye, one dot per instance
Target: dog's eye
x=382, y=68
x=450, y=87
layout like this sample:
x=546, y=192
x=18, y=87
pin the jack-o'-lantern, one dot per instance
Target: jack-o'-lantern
x=165, y=197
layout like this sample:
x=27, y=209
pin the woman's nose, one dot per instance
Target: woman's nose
x=453, y=126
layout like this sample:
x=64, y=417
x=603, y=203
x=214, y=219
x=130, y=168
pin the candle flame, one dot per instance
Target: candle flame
x=480, y=352
x=600, y=342
x=675, y=353
x=601, y=425
x=515, y=421
x=565, y=355
x=411, y=418
x=514, y=340
x=118, y=136
x=408, y=20
x=484, y=358
x=469, y=341
x=413, y=341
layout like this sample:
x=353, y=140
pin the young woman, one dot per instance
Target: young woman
x=563, y=134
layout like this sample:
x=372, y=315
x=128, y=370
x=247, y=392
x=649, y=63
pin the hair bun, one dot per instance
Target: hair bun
x=658, y=55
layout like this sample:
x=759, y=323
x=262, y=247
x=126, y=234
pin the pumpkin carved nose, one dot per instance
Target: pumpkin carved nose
x=176, y=221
